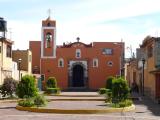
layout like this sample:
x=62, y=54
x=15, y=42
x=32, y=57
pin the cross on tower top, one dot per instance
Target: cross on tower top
x=78, y=39
x=49, y=11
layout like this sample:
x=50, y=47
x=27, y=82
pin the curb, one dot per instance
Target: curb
x=73, y=95
x=76, y=99
x=9, y=101
x=75, y=111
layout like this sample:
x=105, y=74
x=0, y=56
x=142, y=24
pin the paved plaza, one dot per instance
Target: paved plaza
x=145, y=110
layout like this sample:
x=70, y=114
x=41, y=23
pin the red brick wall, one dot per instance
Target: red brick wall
x=97, y=76
x=35, y=47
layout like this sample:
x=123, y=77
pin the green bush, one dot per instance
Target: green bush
x=26, y=102
x=109, y=82
x=120, y=90
x=102, y=91
x=122, y=104
x=8, y=87
x=108, y=95
x=52, y=82
x=27, y=87
x=128, y=102
x=53, y=90
x=39, y=101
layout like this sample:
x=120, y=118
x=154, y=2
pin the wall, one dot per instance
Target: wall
x=96, y=76
x=15, y=71
x=35, y=47
x=26, y=56
x=5, y=62
x=29, y=62
x=149, y=78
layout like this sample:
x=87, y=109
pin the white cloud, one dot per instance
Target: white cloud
x=23, y=32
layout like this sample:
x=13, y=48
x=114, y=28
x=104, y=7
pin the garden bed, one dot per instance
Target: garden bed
x=76, y=107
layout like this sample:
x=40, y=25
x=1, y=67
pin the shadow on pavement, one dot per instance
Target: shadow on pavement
x=151, y=106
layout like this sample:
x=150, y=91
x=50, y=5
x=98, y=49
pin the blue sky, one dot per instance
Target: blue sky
x=91, y=20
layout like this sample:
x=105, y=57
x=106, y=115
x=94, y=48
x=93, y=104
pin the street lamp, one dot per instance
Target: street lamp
x=143, y=62
x=19, y=66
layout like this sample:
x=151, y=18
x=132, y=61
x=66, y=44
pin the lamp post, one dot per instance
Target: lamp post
x=143, y=62
x=19, y=67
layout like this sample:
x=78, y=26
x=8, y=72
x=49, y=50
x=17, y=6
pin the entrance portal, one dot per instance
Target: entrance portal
x=78, y=76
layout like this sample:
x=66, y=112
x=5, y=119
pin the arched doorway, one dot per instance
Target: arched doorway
x=78, y=76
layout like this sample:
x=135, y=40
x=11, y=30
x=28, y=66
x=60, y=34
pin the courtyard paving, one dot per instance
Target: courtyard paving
x=145, y=110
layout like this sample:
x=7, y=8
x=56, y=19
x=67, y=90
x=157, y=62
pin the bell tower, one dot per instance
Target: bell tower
x=48, y=38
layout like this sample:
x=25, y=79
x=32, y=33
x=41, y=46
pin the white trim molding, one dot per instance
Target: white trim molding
x=54, y=42
x=95, y=62
x=78, y=53
x=60, y=62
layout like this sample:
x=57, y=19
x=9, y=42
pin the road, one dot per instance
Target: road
x=145, y=110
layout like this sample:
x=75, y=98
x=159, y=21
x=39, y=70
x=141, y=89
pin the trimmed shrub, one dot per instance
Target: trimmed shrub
x=102, y=91
x=53, y=90
x=52, y=82
x=39, y=101
x=120, y=90
x=8, y=87
x=27, y=87
x=109, y=82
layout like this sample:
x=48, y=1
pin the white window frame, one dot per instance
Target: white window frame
x=108, y=51
x=95, y=60
x=78, y=52
x=59, y=62
x=108, y=63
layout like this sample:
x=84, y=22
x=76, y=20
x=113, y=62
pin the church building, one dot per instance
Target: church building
x=77, y=64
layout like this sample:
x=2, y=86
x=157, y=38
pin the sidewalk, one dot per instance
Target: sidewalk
x=77, y=100
x=146, y=105
x=75, y=96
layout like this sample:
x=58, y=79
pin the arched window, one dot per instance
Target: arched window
x=60, y=62
x=48, y=40
x=78, y=53
x=95, y=62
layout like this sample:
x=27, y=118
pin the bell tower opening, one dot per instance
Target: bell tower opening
x=48, y=40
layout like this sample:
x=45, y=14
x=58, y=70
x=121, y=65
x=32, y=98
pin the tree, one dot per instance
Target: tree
x=120, y=90
x=8, y=87
x=27, y=87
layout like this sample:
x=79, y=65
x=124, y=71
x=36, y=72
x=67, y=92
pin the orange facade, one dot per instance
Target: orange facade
x=75, y=65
